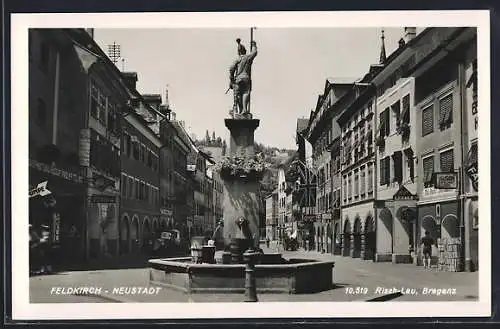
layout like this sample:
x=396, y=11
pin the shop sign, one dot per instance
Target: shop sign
x=55, y=171
x=473, y=175
x=40, y=189
x=84, y=147
x=56, y=228
x=446, y=180
x=309, y=218
x=97, y=198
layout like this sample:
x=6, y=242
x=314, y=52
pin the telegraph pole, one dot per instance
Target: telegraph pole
x=250, y=73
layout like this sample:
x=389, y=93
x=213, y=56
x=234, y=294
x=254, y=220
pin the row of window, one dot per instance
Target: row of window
x=133, y=188
x=358, y=120
x=446, y=164
x=403, y=167
x=329, y=201
x=104, y=156
x=140, y=152
x=103, y=108
x=445, y=114
x=358, y=184
x=358, y=143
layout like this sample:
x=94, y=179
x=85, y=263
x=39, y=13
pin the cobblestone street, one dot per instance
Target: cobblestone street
x=355, y=280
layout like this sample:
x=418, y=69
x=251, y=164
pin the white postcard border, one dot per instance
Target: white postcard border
x=23, y=310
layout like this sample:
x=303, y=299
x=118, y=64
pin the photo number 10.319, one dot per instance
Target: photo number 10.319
x=356, y=290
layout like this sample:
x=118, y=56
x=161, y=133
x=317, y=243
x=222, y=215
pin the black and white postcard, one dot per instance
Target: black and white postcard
x=261, y=165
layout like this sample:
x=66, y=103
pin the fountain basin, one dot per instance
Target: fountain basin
x=292, y=276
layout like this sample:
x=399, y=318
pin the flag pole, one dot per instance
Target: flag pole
x=250, y=73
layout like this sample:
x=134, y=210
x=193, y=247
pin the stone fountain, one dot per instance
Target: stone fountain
x=237, y=235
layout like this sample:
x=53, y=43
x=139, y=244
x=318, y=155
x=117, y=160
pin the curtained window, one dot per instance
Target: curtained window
x=405, y=113
x=428, y=167
x=396, y=109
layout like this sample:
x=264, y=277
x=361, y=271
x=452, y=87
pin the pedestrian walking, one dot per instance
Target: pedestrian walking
x=427, y=243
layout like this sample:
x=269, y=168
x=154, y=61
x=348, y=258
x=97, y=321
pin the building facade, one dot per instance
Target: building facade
x=58, y=105
x=271, y=215
x=175, y=186
x=357, y=170
x=140, y=182
x=324, y=136
x=441, y=100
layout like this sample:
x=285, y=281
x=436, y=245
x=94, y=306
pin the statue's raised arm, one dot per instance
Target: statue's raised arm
x=240, y=78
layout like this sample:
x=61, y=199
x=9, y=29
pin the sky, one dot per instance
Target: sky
x=288, y=73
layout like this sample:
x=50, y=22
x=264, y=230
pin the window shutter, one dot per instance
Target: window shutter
x=398, y=166
x=446, y=110
x=362, y=187
x=427, y=120
x=405, y=114
x=387, y=170
x=446, y=161
x=370, y=180
x=382, y=171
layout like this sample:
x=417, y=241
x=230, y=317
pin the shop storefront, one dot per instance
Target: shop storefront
x=442, y=221
x=59, y=204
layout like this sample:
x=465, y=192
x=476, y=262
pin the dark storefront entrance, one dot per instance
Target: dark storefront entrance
x=63, y=211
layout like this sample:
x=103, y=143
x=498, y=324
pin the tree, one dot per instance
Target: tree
x=213, y=137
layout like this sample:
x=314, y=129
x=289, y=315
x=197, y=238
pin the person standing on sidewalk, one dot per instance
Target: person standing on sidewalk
x=427, y=243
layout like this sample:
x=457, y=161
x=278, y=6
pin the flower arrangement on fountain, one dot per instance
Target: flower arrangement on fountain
x=242, y=167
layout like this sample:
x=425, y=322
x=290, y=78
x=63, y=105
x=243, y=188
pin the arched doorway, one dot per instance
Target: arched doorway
x=337, y=247
x=346, y=238
x=329, y=238
x=429, y=225
x=134, y=234
x=124, y=234
x=146, y=234
x=356, y=239
x=384, y=235
x=155, y=226
x=450, y=227
x=370, y=235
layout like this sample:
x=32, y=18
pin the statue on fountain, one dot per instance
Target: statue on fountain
x=240, y=80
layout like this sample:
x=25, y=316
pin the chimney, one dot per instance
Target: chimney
x=165, y=111
x=183, y=124
x=153, y=99
x=173, y=115
x=130, y=79
x=410, y=33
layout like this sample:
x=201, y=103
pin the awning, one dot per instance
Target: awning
x=471, y=166
x=471, y=156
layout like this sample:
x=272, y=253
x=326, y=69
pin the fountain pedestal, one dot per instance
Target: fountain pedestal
x=241, y=193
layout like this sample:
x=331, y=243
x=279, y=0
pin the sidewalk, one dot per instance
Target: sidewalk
x=354, y=271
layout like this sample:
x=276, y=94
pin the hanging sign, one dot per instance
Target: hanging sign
x=84, y=147
x=446, y=180
x=40, y=190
